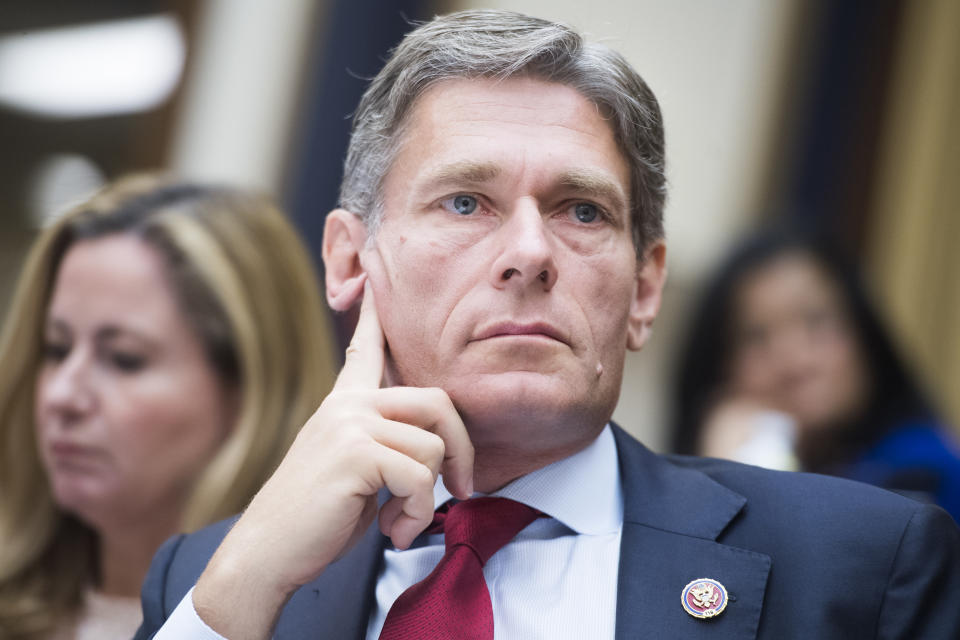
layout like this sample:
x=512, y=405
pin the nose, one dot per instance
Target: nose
x=526, y=254
x=793, y=351
x=64, y=388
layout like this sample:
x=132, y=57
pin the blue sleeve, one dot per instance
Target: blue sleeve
x=918, y=457
x=153, y=593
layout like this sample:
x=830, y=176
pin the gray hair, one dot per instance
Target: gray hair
x=502, y=44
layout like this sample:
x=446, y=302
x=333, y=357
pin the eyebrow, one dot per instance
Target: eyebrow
x=144, y=338
x=112, y=332
x=55, y=325
x=466, y=171
x=108, y=333
x=592, y=184
x=595, y=185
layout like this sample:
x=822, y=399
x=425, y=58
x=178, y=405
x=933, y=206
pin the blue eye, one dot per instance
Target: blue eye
x=464, y=204
x=585, y=212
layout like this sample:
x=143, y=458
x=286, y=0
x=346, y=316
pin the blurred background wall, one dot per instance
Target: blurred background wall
x=839, y=113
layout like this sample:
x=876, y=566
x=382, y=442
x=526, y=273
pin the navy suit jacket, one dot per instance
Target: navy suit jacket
x=802, y=556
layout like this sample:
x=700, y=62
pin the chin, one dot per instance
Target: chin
x=523, y=410
x=80, y=497
x=523, y=391
x=81, y=508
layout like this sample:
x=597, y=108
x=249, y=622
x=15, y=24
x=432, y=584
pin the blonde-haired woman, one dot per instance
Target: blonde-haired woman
x=165, y=343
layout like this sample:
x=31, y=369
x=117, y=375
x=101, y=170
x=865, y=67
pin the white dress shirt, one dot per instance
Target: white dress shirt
x=556, y=579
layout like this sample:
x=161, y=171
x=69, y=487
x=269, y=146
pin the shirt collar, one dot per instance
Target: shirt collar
x=582, y=491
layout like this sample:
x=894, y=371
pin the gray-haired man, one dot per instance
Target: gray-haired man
x=501, y=224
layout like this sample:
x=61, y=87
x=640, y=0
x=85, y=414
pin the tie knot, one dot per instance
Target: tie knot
x=484, y=524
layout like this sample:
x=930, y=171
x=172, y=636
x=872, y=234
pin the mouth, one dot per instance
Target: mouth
x=510, y=330
x=63, y=450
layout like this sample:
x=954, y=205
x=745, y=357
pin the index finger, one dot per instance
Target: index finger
x=363, y=365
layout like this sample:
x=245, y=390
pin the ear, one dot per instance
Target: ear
x=647, y=296
x=344, y=236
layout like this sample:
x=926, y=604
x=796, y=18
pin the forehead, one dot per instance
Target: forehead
x=523, y=128
x=117, y=276
x=787, y=282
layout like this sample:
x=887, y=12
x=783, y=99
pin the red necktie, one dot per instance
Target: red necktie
x=453, y=601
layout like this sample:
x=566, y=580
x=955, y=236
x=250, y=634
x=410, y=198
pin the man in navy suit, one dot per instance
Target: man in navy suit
x=502, y=229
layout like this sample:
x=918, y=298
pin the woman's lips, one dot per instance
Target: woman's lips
x=71, y=453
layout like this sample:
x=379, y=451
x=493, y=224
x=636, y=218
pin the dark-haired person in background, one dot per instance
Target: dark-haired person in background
x=502, y=232
x=785, y=326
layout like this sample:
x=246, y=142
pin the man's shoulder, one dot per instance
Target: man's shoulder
x=835, y=557
x=805, y=516
x=774, y=489
x=790, y=503
x=202, y=543
x=793, y=487
x=767, y=504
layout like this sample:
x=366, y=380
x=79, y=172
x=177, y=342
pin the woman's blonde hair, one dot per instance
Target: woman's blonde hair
x=247, y=285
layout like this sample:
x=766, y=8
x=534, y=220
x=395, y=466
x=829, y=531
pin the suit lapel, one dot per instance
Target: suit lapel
x=672, y=519
x=337, y=604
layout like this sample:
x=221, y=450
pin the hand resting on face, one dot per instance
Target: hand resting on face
x=323, y=496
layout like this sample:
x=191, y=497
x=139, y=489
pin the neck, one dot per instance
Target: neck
x=495, y=466
x=125, y=555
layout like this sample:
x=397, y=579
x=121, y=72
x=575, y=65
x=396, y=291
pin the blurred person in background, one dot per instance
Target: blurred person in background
x=787, y=365
x=164, y=345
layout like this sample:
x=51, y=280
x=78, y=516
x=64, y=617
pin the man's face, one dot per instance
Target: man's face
x=504, y=270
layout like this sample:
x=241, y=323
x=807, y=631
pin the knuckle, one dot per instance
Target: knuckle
x=436, y=448
x=423, y=511
x=345, y=400
x=423, y=478
x=351, y=435
x=438, y=397
x=438, y=393
x=445, y=400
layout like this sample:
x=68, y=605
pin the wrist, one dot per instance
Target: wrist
x=238, y=598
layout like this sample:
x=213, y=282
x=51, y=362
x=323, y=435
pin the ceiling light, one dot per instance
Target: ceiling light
x=106, y=68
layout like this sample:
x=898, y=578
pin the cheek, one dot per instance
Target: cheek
x=167, y=431
x=751, y=372
x=593, y=245
x=418, y=282
x=41, y=383
x=840, y=356
x=39, y=404
x=426, y=264
x=846, y=373
x=605, y=299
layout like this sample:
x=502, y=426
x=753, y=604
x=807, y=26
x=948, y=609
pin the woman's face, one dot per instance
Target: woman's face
x=128, y=407
x=794, y=345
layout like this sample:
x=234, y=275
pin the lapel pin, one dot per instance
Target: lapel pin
x=704, y=598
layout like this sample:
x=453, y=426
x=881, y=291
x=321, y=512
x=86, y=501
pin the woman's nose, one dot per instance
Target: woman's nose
x=66, y=387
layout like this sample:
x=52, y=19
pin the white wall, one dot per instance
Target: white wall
x=242, y=91
x=714, y=65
